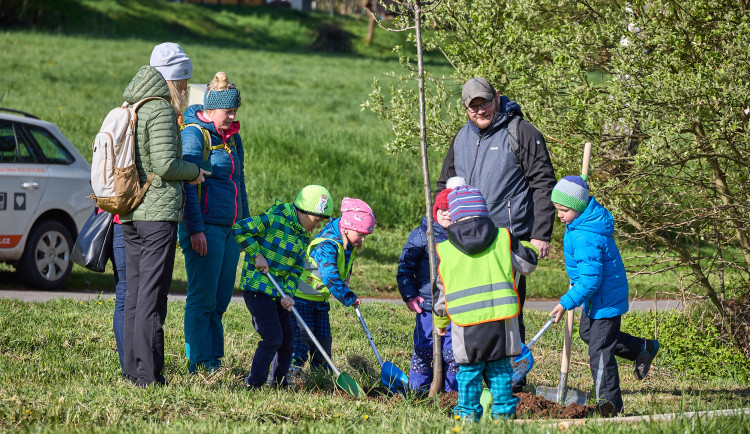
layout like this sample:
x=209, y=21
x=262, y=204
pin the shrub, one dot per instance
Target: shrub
x=691, y=343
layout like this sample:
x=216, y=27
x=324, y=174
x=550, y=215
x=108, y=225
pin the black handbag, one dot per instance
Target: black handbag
x=94, y=244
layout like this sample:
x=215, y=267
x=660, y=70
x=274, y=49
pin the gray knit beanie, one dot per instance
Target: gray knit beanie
x=171, y=61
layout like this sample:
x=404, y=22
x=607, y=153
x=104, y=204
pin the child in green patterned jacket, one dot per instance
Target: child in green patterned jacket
x=275, y=242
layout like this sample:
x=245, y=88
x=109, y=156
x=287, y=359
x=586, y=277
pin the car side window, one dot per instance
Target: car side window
x=52, y=149
x=13, y=146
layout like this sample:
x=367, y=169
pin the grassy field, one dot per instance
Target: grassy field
x=62, y=374
x=301, y=117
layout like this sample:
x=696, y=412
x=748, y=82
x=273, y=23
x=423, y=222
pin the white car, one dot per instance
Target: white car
x=44, y=184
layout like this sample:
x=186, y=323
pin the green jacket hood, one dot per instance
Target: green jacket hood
x=289, y=212
x=148, y=82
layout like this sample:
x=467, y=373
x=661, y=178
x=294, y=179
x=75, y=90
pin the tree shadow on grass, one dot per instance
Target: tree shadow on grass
x=225, y=27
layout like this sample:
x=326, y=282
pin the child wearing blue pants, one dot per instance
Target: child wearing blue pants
x=413, y=279
x=478, y=297
x=598, y=282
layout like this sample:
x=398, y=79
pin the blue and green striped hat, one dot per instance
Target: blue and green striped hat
x=572, y=192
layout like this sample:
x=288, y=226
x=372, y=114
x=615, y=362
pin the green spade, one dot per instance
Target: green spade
x=343, y=380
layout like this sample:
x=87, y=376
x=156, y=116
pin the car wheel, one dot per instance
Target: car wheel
x=45, y=263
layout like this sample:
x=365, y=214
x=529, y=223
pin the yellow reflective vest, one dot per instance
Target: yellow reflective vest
x=479, y=288
x=311, y=286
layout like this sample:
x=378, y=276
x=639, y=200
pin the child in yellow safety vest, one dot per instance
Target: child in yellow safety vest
x=328, y=267
x=478, y=298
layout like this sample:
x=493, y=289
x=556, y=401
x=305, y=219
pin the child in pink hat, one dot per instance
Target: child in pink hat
x=327, y=270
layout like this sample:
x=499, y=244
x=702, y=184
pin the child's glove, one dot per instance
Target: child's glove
x=413, y=304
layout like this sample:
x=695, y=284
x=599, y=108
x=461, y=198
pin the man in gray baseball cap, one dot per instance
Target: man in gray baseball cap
x=506, y=158
x=477, y=87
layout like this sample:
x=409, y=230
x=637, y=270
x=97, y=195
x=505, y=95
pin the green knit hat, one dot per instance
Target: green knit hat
x=315, y=200
x=572, y=192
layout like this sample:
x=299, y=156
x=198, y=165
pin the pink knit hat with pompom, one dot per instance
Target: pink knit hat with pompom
x=357, y=216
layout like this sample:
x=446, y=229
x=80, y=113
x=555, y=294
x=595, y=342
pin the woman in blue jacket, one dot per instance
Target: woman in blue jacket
x=211, y=139
x=413, y=279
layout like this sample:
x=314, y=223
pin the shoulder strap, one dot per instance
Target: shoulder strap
x=134, y=123
x=138, y=104
x=514, y=139
x=206, y=146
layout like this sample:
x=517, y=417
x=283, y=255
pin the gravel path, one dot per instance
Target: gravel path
x=540, y=305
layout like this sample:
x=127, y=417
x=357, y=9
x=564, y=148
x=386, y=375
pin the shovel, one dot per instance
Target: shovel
x=390, y=375
x=523, y=362
x=561, y=394
x=343, y=380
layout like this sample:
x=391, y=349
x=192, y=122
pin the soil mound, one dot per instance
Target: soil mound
x=535, y=407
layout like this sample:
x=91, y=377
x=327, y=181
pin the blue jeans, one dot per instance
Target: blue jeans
x=210, y=281
x=274, y=325
x=121, y=288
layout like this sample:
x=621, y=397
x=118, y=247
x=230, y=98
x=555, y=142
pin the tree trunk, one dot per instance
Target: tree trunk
x=437, y=341
x=370, y=30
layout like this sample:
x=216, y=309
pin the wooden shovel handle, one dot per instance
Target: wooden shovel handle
x=586, y=158
x=567, y=342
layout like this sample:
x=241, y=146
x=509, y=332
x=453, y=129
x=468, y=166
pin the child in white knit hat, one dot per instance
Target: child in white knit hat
x=598, y=282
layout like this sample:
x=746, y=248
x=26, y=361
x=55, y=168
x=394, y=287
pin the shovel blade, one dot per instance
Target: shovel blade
x=521, y=364
x=393, y=378
x=348, y=385
x=567, y=397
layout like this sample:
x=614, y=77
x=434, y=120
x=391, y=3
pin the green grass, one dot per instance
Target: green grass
x=62, y=374
x=301, y=117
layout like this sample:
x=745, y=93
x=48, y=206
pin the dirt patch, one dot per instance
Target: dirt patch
x=449, y=399
x=536, y=407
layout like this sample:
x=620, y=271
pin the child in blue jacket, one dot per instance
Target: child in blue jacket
x=413, y=279
x=598, y=282
x=328, y=266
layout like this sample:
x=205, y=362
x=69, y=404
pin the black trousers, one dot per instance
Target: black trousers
x=150, y=248
x=605, y=341
x=521, y=288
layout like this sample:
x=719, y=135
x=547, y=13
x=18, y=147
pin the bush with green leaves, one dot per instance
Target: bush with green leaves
x=691, y=343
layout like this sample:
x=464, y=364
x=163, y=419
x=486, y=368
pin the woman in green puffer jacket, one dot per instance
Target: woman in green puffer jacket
x=150, y=230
